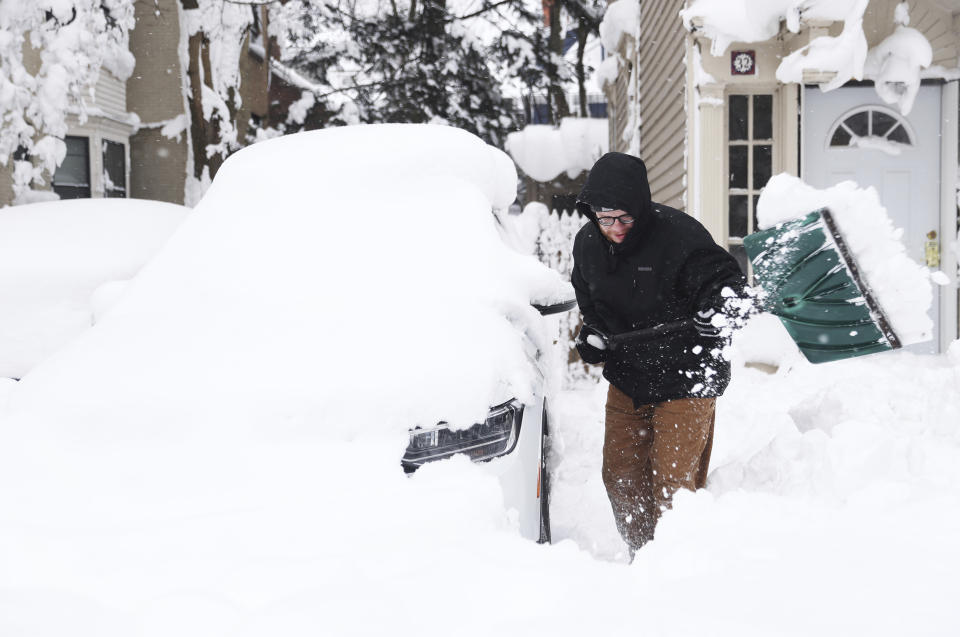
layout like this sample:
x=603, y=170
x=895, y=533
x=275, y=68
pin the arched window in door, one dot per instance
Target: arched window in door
x=870, y=126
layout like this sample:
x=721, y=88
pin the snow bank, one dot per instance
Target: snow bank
x=545, y=152
x=53, y=256
x=831, y=507
x=901, y=286
x=895, y=66
x=764, y=340
x=621, y=17
x=522, y=231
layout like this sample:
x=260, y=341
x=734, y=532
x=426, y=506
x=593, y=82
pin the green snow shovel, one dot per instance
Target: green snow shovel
x=813, y=286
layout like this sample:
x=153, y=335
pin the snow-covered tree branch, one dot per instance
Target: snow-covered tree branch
x=51, y=53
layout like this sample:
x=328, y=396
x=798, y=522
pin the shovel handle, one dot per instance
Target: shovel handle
x=650, y=333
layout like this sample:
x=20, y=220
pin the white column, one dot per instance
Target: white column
x=950, y=100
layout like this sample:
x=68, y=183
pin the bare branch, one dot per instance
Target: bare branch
x=253, y=3
x=480, y=11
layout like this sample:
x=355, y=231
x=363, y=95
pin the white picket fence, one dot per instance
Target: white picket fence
x=554, y=247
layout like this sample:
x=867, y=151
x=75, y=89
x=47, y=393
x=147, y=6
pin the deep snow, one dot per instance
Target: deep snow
x=832, y=509
x=213, y=459
x=62, y=261
x=832, y=506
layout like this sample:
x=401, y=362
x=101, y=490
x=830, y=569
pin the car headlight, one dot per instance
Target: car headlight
x=495, y=436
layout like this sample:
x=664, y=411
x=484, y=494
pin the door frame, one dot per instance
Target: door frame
x=949, y=136
x=949, y=140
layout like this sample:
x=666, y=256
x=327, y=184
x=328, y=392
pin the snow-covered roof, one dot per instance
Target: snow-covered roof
x=896, y=65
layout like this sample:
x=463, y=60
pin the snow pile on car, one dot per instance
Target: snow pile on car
x=322, y=271
x=220, y=454
x=901, y=286
x=53, y=258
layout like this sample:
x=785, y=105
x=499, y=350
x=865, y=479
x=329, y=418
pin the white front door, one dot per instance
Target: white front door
x=897, y=155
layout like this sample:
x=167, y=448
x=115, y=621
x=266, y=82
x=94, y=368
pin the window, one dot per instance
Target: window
x=873, y=123
x=750, y=162
x=114, y=169
x=72, y=178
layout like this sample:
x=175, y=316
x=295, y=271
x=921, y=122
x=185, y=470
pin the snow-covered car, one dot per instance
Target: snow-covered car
x=514, y=434
x=63, y=262
x=235, y=426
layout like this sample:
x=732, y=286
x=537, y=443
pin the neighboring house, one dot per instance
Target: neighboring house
x=134, y=142
x=98, y=150
x=97, y=157
x=713, y=128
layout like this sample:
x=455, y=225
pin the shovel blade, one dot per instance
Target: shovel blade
x=812, y=283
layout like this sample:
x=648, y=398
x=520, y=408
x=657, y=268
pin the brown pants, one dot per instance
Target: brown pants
x=651, y=452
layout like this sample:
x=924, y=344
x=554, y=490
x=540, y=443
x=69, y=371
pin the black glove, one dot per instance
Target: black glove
x=592, y=344
x=703, y=323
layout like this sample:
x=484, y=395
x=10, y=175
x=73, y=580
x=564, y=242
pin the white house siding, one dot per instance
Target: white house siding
x=936, y=24
x=110, y=95
x=662, y=94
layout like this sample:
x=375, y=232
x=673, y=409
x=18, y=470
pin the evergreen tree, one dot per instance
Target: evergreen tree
x=403, y=63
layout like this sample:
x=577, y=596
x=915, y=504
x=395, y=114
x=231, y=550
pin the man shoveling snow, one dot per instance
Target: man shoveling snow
x=659, y=298
x=641, y=264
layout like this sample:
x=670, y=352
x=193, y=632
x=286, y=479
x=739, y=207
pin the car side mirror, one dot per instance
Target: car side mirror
x=555, y=308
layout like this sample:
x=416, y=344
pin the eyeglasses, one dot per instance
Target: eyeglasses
x=609, y=221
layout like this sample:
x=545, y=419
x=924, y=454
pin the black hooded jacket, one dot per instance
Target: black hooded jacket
x=666, y=269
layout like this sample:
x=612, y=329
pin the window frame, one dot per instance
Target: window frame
x=122, y=192
x=869, y=108
x=89, y=181
x=751, y=191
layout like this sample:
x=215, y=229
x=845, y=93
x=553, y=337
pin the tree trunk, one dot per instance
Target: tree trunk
x=559, y=109
x=198, y=125
x=583, y=30
x=213, y=127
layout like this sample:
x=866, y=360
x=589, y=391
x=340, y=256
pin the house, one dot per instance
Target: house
x=134, y=141
x=715, y=105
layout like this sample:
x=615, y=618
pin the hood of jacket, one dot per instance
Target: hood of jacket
x=618, y=181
